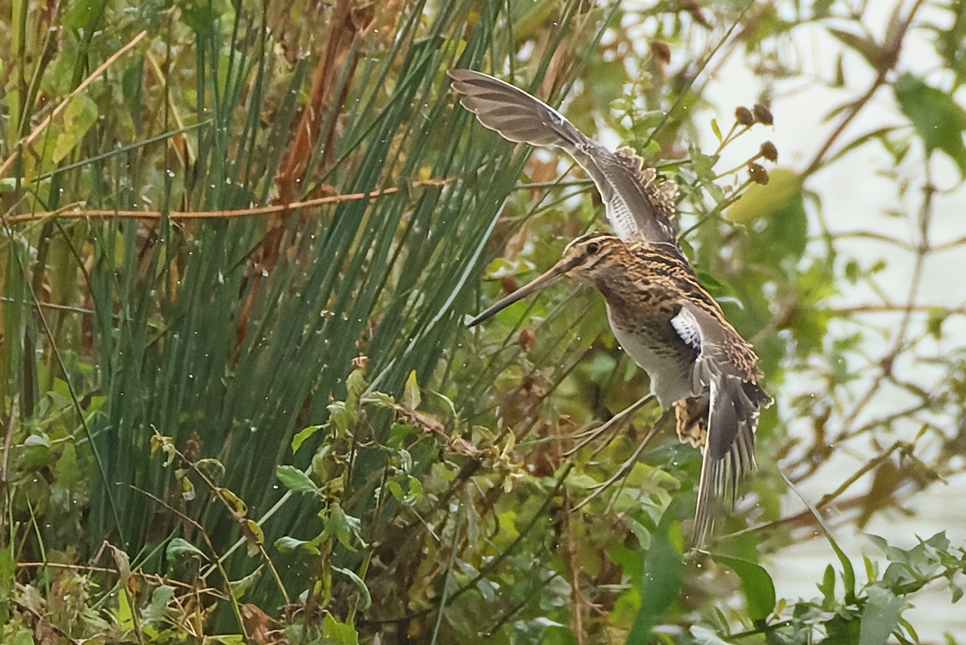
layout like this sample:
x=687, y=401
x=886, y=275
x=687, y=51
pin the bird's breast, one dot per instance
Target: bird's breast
x=660, y=353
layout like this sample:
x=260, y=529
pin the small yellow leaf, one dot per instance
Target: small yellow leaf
x=254, y=536
x=237, y=507
x=411, y=396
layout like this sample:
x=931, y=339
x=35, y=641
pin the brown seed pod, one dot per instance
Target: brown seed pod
x=763, y=114
x=744, y=116
x=769, y=151
x=661, y=51
x=758, y=173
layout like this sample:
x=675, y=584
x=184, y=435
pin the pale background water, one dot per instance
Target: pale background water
x=855, y=198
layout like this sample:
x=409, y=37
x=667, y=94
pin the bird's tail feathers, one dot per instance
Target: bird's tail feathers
x=729, y=453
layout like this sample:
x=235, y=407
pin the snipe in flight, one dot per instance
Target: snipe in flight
x=660, y=313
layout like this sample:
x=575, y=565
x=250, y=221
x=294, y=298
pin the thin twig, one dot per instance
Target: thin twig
x=857, y=106
x=25, y=609
x=224, y=574
x=83, y=213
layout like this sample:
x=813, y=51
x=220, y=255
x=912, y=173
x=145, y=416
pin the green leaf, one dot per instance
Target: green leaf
x=955, y=590
x=640, y=532
x=912, y=631
x=379, y=399
x=212, y=468
x=131, y=84
x=703, y=164
x=355, y=386
x=340, y=419
x=239, y=587
x=757, y=585
x=79, y=15
x=23, y=637
x=339, y=633
x=366, y=596
x=235, y=504
x=178, y=547
x=288, y=544
x=934, y=322
x=848, y=573
x=254, y=535
x=827, y=588
x=880, y=616
x=200, y=16
x=302, y=435
x=880, y=134
x=38, y=439
x=821, y=7
x=79, y=116
x=68, y=470
x=295, y=480
x=8, y=568
x=161, y=597
x=663, y=576
x=938, y=119
x=582, y=481
x=395, y=489
x=871, y=570
x=415, y=490
x=764, y=201
x=342, y=526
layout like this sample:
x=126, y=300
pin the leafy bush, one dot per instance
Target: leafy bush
x=240, y=401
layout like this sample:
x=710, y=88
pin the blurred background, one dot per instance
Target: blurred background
x=240, y=401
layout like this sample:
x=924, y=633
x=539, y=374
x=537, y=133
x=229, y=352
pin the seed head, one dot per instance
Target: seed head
x=661, y=51
x=758, y=174
x=769, y=151
x=744, y=116
x=763, y=114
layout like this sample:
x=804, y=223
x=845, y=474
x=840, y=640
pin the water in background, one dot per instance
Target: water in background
x=858, y=201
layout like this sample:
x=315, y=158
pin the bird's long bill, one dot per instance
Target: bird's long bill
x=557, y=270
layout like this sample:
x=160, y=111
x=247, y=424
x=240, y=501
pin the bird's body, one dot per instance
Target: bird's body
x=664, y=319
x=643, y=285
x=698, y=365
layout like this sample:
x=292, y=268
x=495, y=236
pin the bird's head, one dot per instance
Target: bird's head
x=584, y=259
x=590, y=255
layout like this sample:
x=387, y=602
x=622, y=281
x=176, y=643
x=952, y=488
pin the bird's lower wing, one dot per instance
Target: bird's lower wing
x=729, y=450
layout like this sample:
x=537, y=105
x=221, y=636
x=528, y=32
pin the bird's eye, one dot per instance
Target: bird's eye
x=592, y=248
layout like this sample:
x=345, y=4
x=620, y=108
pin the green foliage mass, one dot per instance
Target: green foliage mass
x=239, y=399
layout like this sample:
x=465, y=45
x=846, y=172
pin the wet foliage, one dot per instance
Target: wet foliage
x=240, y=245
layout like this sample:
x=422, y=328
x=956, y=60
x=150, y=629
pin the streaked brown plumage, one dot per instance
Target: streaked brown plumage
x=636, y=202
x=698, y=364
x=661, y=315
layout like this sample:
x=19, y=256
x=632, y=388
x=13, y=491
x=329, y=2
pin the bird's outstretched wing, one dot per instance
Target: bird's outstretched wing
x=725, y=370
x=636, y=202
